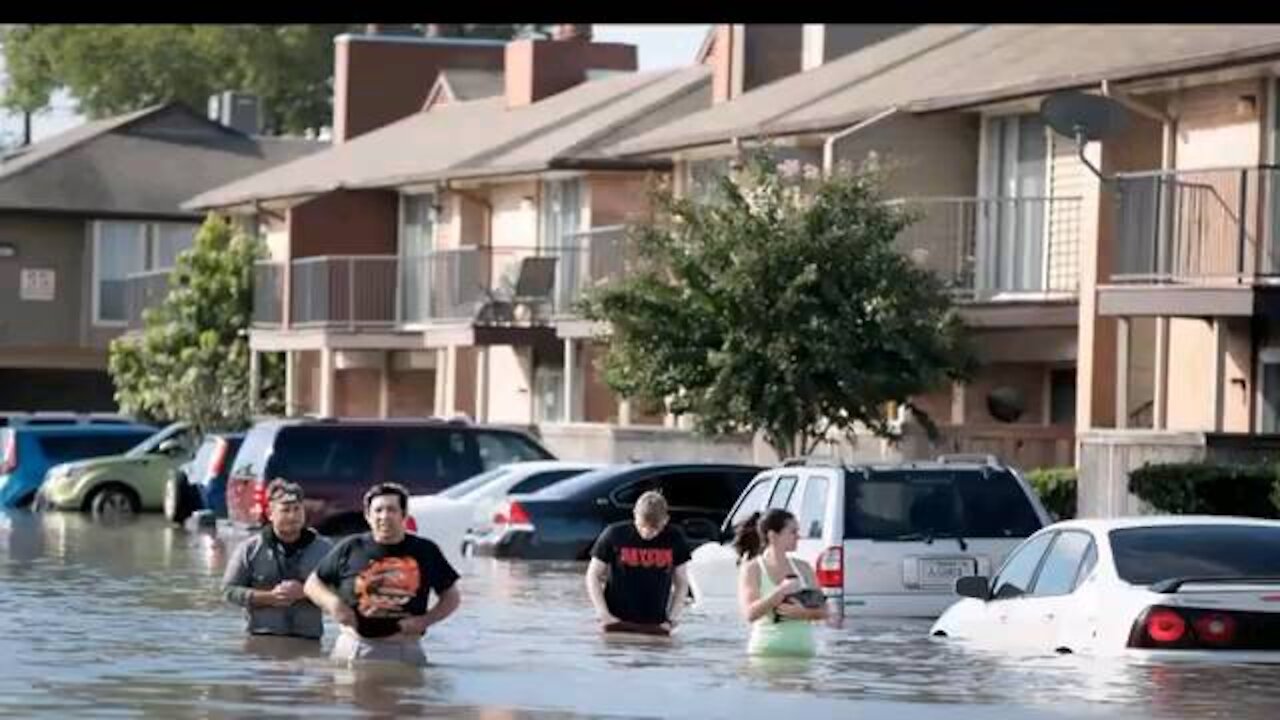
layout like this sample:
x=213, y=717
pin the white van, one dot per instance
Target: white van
x=885, y=540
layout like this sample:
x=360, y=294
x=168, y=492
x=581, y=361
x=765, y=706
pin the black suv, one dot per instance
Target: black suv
x=335, y=461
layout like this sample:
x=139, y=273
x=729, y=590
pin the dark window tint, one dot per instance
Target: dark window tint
x=500, y=448
x=251, y=456
x=1146, y=555
x=916, y=504
x=537, y=481
x=1015, y=577
x=813, y=507
x=326, y=453
x=1062, y=564
x=428, y=460
x=208, y=452
x=708, y=490
x=752, y=502
x=65, y=448
x=782, y=491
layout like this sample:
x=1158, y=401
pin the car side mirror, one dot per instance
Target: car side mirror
x=974, y=586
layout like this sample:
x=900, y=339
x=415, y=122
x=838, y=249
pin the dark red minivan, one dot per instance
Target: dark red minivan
x=336, y=460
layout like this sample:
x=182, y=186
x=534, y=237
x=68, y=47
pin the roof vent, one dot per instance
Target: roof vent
x=239, y=111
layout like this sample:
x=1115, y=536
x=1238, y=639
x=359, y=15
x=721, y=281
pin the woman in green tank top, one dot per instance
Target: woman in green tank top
x=768, y=581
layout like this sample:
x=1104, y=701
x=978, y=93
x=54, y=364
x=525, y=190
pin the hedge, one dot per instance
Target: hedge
x=1057, y=490
x=1209, y=488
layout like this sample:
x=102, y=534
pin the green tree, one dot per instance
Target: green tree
x=779, y=305
x=191, y=361
x=112, y=69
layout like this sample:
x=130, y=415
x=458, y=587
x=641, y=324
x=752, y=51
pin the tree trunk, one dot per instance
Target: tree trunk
x=26, y=128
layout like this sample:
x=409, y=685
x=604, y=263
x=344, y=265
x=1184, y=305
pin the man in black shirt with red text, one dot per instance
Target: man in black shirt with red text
x=637, y=578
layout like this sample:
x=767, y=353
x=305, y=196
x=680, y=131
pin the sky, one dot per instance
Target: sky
x=659, y=46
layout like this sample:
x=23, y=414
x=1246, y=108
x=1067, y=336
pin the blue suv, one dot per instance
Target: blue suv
x=28, y=451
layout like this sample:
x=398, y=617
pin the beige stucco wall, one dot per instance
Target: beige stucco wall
x=1215, y=129
x=1191, y=370
x=510, y=380
x=926, y=155
x=1237, y=383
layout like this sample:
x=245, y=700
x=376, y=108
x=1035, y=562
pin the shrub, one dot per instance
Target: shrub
x=1208, y=488
x=1057, y=490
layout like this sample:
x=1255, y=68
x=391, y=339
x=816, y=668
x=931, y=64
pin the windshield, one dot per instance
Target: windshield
x=1149, y=554
x=151, y=444
x=918, y=504
x=475, y=481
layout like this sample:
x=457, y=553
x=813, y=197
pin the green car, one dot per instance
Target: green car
x=119, y=484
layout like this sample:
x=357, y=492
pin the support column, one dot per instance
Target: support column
x=1122, y=373
x=568, y=380
x=957, y=403
x=1219, y=372
x=290, y=383
x=384, y=386
x=1160, y=403
x=326, y=382
x=442, y=369
x=624, y=412
x=254, y=381
x=451, y=381
x=482, y=384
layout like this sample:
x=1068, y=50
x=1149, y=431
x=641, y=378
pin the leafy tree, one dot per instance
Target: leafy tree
x=191, y=361
x=781, y=305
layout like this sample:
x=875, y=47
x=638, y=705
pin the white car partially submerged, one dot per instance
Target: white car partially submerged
x=453, y=515
x=884, y=540
x=1170, y=585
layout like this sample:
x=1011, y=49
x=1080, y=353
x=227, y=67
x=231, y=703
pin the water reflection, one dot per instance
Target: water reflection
x=127, y=619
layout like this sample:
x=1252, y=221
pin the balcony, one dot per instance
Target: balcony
x=1195, y=242
x=988, y=249
x=337, y=292
x=589, y=260
x=268, y=294
x=142, y=291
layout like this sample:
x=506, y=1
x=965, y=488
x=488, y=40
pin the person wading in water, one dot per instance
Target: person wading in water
x=776, y=593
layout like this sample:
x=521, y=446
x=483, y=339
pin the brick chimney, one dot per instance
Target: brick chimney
x=536, y=69
x=378, y=79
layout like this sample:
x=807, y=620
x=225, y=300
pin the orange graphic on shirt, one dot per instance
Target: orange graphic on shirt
x=386, y=586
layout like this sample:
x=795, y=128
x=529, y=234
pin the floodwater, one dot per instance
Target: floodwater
x=127, y=622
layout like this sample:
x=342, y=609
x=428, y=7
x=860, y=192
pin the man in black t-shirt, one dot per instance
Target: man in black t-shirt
x=377, y=585
x=637, y=572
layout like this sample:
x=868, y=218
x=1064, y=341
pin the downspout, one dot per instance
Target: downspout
x=829, y=144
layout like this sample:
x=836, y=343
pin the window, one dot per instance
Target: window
x=475, y=483
x=417, y=240
x=1147, y=554
x=1269, y=388
x=1015, y=576
x=123, y=248
x=813, y=508
x=1062, y=564
x=753, y=502
x=548, y=393
x=430, y=460
x=699, y=489
x=500, y=448
x=912, y=505
x=338, y=455
x=65, y=448
x=536, y=482
x=782, y=491
x=561, y=213
x=1012, y=225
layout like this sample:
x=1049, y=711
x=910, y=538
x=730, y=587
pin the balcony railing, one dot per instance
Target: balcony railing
x=342, y=291
x=988, y=248
x=496, y=285
x=142, y=291
x=589, y=260
x=1215, y=226
x=268, y=293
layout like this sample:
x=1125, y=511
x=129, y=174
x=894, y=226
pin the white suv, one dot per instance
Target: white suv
x=885, y=539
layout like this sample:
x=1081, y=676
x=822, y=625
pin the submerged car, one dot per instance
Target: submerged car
x=27, y=451
x=120, y=484
x=1181, y=585
x=884, y=540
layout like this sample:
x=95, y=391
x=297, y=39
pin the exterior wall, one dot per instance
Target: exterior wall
x=465, y=396
x=925, y=156
x=515, y=215
x=510, y=385
x=536, y=69
x=306, y=382
x=770, y=52
x=363, y=222
x=1068, y=178
x=1191, y=374
x=356, y=392
x=1237, y=381
x=599, y=403
x=1214, y=130
x=617, y=198
x=721, y=61
x=611, y=444
x=412, y=393
x=54, y=244
x=1028, y=379
x=274, y=230
x=379, y=80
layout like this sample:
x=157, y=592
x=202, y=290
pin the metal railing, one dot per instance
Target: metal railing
x=268, y=293
x=343, y=291
x=1212, y=226
x=144, y=290
x=493, y=285
x=982, y=248
x=589, y=260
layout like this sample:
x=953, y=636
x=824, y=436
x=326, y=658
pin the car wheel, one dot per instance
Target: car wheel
x=114, y=502
x=177, y=499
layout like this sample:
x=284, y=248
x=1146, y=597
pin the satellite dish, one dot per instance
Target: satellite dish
x=1086, y=118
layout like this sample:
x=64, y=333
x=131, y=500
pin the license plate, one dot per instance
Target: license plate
x=944, y=571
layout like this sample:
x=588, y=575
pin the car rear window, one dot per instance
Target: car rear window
x=65, y=448
x=915, y=504
x=502, y=448
x=254, y=449
x=1146, y=555
x=536, y=482
x=331, y=453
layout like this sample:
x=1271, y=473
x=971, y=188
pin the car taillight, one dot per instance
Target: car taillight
x=219, y=458
x=1166, y=626
x=830, y=568
x=9, y=453
x=411, y=525
x=515, y=515
x=260, y=500
x=1215, y=629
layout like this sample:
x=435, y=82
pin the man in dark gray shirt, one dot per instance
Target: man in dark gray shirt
x=266, y=572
